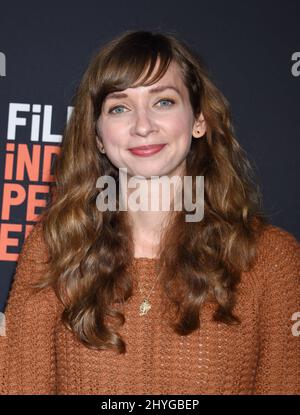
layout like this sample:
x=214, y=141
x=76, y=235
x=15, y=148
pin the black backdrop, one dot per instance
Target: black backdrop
x=252, y=49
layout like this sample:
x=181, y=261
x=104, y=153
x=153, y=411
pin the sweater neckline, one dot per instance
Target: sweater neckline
x=145, y=259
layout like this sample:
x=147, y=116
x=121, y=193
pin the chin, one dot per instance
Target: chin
x=156, y=171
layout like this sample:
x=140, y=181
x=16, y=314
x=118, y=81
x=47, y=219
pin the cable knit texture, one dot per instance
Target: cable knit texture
x=38, y=355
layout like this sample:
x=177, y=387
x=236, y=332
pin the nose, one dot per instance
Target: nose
x=143, y=124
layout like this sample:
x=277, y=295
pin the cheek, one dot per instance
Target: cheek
x=180, y=127
x=111, y=135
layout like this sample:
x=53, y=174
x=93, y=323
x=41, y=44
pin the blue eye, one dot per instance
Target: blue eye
x=114, y=108
x=166, y=100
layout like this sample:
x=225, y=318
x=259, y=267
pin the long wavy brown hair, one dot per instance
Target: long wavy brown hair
x=90, y=251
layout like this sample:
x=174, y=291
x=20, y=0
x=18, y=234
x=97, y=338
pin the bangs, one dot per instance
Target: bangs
x=131, y=65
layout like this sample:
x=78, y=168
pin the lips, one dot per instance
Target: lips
x=146, y=150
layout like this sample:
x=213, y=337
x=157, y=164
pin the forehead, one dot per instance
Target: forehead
x=172, y=78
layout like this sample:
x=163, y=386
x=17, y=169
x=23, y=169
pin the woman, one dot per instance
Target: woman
x=128, y=301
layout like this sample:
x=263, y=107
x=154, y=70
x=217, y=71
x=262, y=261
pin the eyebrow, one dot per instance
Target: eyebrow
x=115, y=95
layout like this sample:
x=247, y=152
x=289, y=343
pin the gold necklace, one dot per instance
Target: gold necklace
x=145, y=304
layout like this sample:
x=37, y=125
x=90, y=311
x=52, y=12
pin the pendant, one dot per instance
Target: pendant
x=144, y=307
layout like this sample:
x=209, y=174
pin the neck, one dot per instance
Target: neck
x=148, y=209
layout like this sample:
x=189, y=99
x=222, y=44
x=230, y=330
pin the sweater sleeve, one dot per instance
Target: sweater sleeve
x=27, y=352
x=278, y=370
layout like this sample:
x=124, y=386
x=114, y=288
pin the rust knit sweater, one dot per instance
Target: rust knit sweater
x=38, y=355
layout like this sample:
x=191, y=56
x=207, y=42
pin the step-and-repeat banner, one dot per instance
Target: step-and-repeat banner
x=252, y=49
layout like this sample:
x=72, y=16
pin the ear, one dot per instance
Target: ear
x=98, y=141
x=199, y=128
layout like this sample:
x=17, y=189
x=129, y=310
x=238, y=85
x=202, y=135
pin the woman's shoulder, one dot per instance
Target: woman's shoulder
x=278, y=243
x=278, y=257
x=31, y=265
x=33, y=256
x=34, y=244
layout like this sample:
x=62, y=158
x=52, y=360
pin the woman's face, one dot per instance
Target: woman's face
x=149, y=116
